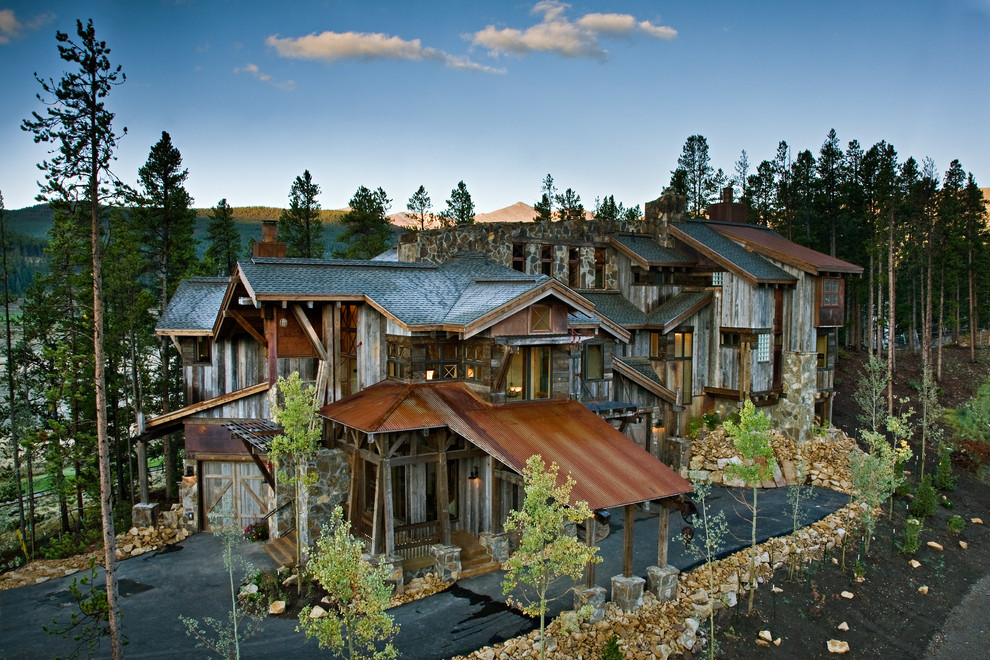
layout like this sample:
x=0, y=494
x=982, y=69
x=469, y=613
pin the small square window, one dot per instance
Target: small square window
x=717, y=278
x=202, y=353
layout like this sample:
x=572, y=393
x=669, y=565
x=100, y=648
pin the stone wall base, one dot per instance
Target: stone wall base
x=593, y=596
x=448, y=560
x=145, y=515
x=662, y=581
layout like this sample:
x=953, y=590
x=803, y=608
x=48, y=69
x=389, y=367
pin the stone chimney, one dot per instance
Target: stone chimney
x=269, y=246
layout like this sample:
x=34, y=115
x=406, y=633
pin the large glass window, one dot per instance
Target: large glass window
x=529, y=374
x=594, y=361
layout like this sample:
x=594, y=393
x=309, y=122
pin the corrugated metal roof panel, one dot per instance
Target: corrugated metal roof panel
x=769, y=243
x=609, y=468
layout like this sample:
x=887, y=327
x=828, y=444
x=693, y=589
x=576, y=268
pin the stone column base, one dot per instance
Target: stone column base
x=627, y=592
x=448, y=560
x=497, y=545
x=662, y=581
x=594, y=596
x=145, y=515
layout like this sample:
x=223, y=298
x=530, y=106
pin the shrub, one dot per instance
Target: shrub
x=912, y=536
x=955, y=524
x=710, y=420
x=256, y=531
x=924, y=499
x=944, y=479
x=612, y=650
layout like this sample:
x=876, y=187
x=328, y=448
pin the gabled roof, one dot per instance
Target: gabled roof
x=616, y=307
x=678, y=309
x=646, y=252
x=729, y=254
x=640, y=370
x=769, y=243
x=609, y=469
x=467, y=294
x=194, y=307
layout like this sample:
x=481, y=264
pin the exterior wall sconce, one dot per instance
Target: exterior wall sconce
x=284, y=322
x=474, y=473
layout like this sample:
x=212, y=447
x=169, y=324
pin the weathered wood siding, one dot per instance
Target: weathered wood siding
x=800, y=335
x=236, y=363
x=371, y=350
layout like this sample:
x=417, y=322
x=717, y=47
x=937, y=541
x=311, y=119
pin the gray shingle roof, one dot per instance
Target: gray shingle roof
x=194, y=306
x=641, y=365
x=457, y=292
x=680, y=304
x=652, y=252
x=615, y=307
x=748, y=262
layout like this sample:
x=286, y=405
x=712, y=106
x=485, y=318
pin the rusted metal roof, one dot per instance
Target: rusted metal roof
x=610, y=469
x=769, y=243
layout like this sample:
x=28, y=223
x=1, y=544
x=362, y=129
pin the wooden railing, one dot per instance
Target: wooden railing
x=412, y=541
x=826, y=379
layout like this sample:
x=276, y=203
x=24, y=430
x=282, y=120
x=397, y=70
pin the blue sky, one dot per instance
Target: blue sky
x=601, y=95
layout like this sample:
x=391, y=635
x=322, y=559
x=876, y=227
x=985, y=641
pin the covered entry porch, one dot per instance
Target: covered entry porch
x=431, y=460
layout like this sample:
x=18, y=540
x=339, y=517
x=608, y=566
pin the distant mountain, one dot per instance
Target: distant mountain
x=518, y=212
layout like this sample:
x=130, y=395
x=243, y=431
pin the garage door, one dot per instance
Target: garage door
x=235, y=487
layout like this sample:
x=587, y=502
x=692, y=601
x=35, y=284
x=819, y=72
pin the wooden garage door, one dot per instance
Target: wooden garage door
x=235, y=487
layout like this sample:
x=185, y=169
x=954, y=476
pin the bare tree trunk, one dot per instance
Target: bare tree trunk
x=891, y=316
x=926, y=319
x=102, y=442
x=870, y=334
x=9, y=366
x=972, y=309
x=912, y=337
x=941, y=325
x=169, y=458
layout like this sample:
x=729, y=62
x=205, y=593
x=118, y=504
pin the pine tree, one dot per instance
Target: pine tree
x=78, y=123
x=544, y=207
x=224, y=240
x=367, y=231
x=571, y=208
x=460, y=207
x=419, y=205
x=696, y=165
x=300, y=225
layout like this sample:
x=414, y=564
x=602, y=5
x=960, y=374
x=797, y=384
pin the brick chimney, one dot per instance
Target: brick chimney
x=269, y=246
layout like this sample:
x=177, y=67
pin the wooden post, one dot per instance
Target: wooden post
x=627, y=540
x=590, y=532
x=488, y=495
x=443, y=497
x=142, y=458
x=376, y=520
x=271, y=330
x=385, y=476
x=663, y=539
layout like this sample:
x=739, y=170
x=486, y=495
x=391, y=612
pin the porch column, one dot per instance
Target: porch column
x=385, y=476
x=590, y=532
x=627, y=540
x=443, y=497
x=142, y=459
x=663, y=540
x=627, y=589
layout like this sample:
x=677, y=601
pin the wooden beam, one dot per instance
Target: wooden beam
x=271, y=330
x=589, y=537
x=385, y=471
x=243, y=322
x=206, y=405
x=443, y=497
x=309, y=331
x=503, y=369
x=627, y=540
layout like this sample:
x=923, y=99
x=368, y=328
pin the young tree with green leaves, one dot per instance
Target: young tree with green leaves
x=300, y=225
x=419, y=205
x=367, y=230
x=460, y=207
x=871, y=393
x=78, y=123
x=295, y=446
x=751, y=437
x=224, y=240
x=356, y=623
x=714, y=532
x=545, y=551
x=875, y=477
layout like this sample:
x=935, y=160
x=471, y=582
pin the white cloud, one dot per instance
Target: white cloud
x=253, y=70
x=558, y=34
x=335, y=46
x=10, y=27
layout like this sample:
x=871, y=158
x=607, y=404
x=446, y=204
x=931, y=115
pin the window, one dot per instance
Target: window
x=599, y=268
x=202, y=350
x=679, y=365
x=594, y=361
x=657, y=345
x=519, y=257
x=539, y=319
x=730, y=340
x=574, y=268
x=717, y=278
x=830, y=291
x=348, y=349
x=473, y=361
x=546, y=260
x=763, y=347
x=396, y=365
x=529, y=374
x=822, y=345
x=441, y=362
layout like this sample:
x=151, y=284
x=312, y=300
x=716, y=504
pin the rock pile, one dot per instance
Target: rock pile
x=420, y=587
x=139, y=540
x=826, y=458
x=672, y=628
x=136, y=541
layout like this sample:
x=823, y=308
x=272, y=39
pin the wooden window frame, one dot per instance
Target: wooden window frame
x=519, y=257
x=599, y=362
x=538, y=314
